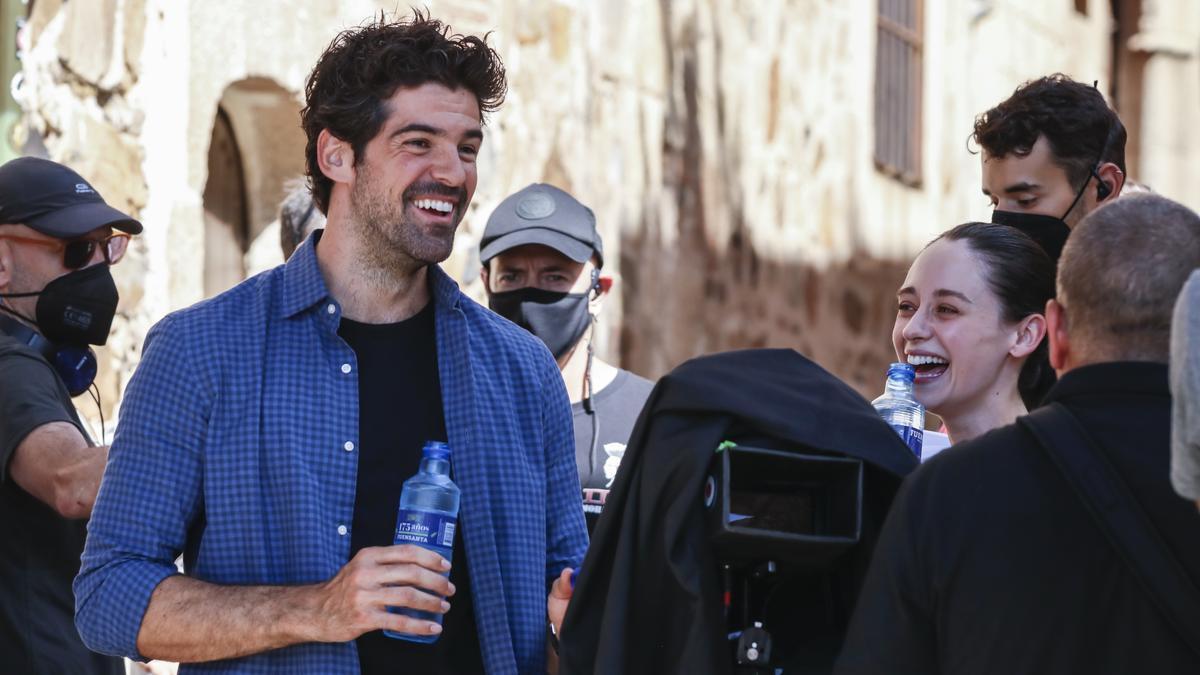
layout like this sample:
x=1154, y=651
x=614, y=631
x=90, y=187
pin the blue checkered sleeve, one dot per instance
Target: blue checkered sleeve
x=149, y=496
x=566, y=532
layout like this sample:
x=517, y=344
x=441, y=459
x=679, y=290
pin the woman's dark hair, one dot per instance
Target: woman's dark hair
x=361, y=69
x=1022, y=276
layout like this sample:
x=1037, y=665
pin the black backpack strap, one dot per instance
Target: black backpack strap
x=1108, y=500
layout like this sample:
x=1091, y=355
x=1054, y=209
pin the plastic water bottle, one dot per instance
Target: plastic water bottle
x=427, y=518
x=899, y=409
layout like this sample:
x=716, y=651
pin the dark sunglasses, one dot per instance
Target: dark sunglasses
x=77, y=253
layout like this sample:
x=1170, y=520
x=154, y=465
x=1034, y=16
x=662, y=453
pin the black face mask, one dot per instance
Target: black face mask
x=1049, y=232
x=76, y=308
x=559, y=319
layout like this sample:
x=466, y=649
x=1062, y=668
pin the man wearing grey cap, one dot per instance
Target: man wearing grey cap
x=57, y=296
x=542, y=259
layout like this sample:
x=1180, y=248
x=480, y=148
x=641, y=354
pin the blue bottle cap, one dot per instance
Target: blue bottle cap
x=436, y=450
x=902, y=371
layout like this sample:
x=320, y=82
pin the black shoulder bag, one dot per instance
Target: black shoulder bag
x=1107, y=498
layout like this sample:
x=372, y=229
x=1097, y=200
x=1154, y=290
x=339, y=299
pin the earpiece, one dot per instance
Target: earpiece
x=1103, y=189
x=597, y=289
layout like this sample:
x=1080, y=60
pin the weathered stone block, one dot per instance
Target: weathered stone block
x=110, y=162
x=87, y=41
x=135, y=34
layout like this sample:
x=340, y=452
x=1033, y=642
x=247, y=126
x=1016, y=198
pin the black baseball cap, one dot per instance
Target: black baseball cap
x=542, y=214
x=54, y=200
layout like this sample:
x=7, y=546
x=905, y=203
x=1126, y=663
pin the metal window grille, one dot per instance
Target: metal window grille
x=898, y=66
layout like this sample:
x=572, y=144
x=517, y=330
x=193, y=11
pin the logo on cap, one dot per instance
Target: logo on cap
x=83, y=188
x=536, y=206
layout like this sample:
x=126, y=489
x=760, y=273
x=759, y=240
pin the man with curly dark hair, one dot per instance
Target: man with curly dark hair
x=1052, y=153
x=268, y=431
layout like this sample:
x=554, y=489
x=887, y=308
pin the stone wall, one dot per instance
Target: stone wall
x=725, y=146
x=78, y=92
x=728, y=146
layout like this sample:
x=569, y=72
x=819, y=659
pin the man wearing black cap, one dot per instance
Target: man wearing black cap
x=56, y=298
x=542, y=257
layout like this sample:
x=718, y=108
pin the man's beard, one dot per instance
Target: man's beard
x=392, y=242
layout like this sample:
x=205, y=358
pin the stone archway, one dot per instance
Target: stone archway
x=257, y=145
x=225, y=218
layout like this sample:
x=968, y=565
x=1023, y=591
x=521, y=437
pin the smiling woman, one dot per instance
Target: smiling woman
x=969, y=319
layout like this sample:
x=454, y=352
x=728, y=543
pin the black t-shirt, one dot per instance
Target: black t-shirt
x=615, y=410
x=39, y=549
x=989, y=563
x=400, y=407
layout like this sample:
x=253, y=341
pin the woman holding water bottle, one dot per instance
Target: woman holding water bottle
x=969, y=319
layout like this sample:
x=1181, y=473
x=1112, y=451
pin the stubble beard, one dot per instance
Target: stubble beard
x=393, y=246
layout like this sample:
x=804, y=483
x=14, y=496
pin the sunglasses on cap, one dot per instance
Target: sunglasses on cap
x=78, y=253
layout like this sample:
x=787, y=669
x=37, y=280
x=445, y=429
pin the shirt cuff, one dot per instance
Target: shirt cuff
x=111, y=603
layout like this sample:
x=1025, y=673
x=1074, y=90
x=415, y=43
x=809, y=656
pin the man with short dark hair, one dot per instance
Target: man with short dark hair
x=57, y=296
x=267, y=433
x=994, y=557
x=543, y=263
x=1052, y=152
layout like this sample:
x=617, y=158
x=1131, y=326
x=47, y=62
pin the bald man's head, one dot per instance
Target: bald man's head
x=1120, y=273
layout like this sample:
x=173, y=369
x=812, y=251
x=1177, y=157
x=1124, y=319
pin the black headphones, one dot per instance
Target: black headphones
x=75, y=366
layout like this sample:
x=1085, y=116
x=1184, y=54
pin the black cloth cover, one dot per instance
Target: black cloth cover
x=647, y=599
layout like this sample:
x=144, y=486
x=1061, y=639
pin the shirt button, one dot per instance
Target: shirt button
x=331, y=308
x=346, y=368
x=342, y=530
x=349, y=446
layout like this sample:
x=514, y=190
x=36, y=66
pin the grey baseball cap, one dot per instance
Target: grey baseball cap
x=542, y=214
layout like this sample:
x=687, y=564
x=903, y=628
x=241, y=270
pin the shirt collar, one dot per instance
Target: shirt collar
x=443, y=289
x=304, y=287
x=1118, y=377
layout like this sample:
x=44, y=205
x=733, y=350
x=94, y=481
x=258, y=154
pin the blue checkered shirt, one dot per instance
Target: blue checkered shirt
x=235, y=450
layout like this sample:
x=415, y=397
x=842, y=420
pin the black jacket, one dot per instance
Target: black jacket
x=989, y=563
x=648, y=595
